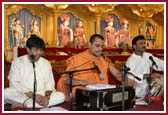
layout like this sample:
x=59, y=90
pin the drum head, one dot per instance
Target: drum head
x=157, y=86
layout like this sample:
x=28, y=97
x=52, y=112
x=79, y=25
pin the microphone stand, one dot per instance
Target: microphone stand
x=124, y=71
x=70, y=74
x=149, y=79
x=34, y=86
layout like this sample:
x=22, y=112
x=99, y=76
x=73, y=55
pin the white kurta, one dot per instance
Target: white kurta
x=140, y=65
x=21, y=78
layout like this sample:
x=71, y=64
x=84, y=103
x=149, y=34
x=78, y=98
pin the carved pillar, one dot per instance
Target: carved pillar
x=55, y=28
x=7, y=50
x=6, y=44
x=98, y=17
x=56, y=15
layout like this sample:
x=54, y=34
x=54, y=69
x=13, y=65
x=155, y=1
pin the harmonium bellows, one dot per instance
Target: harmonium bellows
x=109, y=99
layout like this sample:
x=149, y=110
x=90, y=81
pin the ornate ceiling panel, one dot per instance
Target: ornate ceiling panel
x=57, y=6
x=146, y=10
x=131, y=11
x=101, y=8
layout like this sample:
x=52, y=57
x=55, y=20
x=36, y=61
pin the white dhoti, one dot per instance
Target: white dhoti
x=13, y=96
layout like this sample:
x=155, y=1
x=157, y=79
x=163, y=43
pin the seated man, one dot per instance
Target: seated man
x=84, y=60
x=21, y=77
x=140, y=63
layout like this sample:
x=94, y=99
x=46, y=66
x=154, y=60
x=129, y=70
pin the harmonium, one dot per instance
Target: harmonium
x=104, y=97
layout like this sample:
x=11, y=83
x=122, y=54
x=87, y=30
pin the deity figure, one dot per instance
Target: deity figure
x=79, y=34
x=17, y=30
x=65, y=33
x=110, y=32
x=35, y=28
x=140, y=29
x=150, y=35
x=124, y=37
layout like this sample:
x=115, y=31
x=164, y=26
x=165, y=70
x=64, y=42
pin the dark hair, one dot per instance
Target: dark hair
x=94, y=36
x=35, y=41
x=137, y=38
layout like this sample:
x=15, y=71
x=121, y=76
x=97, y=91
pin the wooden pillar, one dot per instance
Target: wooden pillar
x=54, y=28
x=7, y=50
x=98, y=17
x=55, y=34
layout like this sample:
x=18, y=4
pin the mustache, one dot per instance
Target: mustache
x=144, y=47
x=99, y=53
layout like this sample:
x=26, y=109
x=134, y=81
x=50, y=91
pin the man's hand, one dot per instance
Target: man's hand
x=41, y=100
x=131, y=83
x=48, y=93
x=78, y=82
x=44, y=101
x=38, y=99
x=145, y=76
x=29, y=94
x=157, y=75
x=84, y=83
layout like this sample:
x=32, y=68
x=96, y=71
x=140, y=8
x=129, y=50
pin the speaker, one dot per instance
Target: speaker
x=104, y=99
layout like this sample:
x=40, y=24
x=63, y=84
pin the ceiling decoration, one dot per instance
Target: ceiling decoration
x=146, y=10
x=57, y=6
x=101, y=8
x=142, y=10
x=136, y=12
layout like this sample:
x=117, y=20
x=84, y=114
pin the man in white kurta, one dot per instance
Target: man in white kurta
x=139, y=64
x=21, y=77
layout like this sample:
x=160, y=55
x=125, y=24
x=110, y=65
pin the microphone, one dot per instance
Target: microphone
x=153, y=62
x=101, y=76
x=127, y=69
x=139, y=79
x=32, y=58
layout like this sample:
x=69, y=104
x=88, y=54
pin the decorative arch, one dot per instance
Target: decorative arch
x=25, y=16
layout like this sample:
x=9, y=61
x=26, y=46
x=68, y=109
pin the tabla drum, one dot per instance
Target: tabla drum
x=157, y=86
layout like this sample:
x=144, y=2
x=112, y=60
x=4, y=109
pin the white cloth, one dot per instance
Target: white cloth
x=21, y=78
x=140, y=65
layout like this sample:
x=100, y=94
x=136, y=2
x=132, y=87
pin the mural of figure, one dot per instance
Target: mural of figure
x=150, y=35
x=17, y=28
x=124, y=37
x=35, y=28
x=140, y=30
x=79, y=34
x=110, y=32
x=65, y=33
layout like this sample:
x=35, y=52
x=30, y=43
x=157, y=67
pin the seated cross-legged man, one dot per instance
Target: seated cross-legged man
x=21, y=79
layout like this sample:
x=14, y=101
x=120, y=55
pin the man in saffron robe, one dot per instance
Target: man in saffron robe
x=88, y=59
